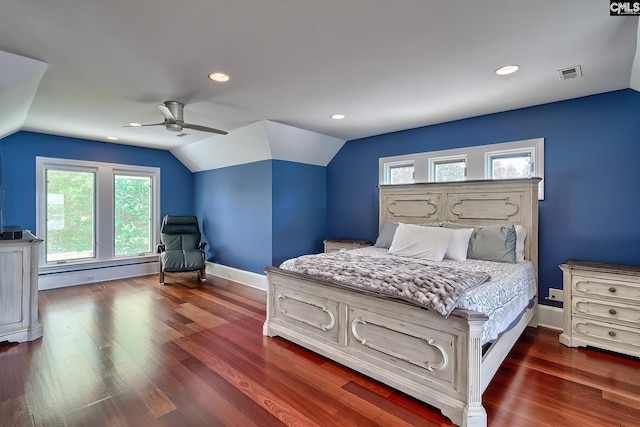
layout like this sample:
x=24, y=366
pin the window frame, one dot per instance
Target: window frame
x=104, y=205
x=42, y=231
x=401, y=164
x=133, y=173
x=476, y=161
x=435, y=161
x=489, y=156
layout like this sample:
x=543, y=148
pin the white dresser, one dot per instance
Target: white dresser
x=19, y=319
x=601, y=306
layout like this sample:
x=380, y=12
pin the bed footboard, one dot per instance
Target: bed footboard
x=434, y=359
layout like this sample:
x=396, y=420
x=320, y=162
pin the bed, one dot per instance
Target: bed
x=437, y=359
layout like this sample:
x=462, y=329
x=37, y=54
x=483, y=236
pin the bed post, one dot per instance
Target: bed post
x=474, y=414
x=269, y=315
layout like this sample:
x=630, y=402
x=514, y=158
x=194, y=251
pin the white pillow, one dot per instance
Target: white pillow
x=521, y=235
x=459, y=244
x=417, y=241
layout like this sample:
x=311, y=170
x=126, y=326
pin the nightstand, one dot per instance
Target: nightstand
x=333, y=245
x=601, y=306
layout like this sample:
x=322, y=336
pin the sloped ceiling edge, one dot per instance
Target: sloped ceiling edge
x=19, y=80
x=244, y=145
x=300, y=145
x=258, y=141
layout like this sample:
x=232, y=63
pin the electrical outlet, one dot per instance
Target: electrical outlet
x=555, y=294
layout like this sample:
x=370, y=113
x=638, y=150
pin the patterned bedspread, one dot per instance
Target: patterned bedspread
x=433, y=286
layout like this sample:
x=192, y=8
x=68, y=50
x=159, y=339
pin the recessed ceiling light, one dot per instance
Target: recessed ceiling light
x=338, y=116
x=135, y=124
x=112, y=138
x=507, y=69
x=219, y=77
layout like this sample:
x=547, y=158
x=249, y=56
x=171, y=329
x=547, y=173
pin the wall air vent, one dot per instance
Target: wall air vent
x=570, y=73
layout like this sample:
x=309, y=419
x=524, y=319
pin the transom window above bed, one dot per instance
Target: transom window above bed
x=508, y=160
x=400, y=173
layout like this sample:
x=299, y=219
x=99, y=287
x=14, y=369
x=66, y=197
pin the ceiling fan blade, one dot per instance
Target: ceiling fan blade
x=167, y=113
x=141, y=125
x=204, y=129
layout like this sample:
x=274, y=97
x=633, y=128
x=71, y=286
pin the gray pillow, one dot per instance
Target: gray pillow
x=386, y=235
x=490, y=242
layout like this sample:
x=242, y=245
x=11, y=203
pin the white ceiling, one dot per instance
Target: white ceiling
x=387, y=65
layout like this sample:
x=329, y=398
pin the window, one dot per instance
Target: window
x=518, y=159
x=400, y=173
x=516, y=164
x=95, y=212
x=70, y=215
x=132, y=214
x=449, y=169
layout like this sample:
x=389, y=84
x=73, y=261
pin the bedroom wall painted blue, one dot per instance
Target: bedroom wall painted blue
x=299, y=209
x=259, y=214
x=19, y=177
x=592, y=188
x=234, y=207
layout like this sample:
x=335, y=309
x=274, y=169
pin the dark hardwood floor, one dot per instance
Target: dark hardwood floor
x=134, y=353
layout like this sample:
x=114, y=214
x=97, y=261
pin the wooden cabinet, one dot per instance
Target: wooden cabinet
x=333, y=245
x=19, y=319
x=602, y=306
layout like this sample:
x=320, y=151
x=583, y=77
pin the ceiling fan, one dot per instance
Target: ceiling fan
x=174, y=120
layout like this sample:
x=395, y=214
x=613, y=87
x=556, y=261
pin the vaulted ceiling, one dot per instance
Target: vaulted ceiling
x=87, y=68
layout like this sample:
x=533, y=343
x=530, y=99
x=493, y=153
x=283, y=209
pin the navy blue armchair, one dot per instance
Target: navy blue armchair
x=181, y=249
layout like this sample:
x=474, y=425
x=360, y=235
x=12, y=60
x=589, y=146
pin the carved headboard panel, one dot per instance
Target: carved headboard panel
x=482, y=202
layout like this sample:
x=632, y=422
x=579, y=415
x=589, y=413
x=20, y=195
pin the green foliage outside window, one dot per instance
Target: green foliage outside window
x=132, y=212
x=70, y=215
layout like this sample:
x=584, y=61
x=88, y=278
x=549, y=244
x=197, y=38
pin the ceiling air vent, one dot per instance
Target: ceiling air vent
x=570, y=73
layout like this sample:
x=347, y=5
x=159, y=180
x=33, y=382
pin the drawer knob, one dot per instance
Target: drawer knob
x=612, y=334
x=612, y=311
x=612, y=289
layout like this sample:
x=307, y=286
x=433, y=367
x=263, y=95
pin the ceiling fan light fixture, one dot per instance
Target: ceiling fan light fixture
x=338, y=116
x=173, y=112
x=174, y=127
x=219, y=77
x=507, y=69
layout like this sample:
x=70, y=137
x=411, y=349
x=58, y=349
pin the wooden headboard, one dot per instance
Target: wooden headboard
x=481, y=202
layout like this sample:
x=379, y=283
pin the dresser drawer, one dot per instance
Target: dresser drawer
x=589, y=286
x=606, y=311
x=609, y=332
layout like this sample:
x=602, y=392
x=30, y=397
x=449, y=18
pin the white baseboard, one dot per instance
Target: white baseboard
x=82, y=277
x=247, y=278
x=550, y=317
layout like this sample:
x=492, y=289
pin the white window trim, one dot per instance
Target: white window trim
x=475, y=160
x=391, y=165
x=104, y=249
x=490, y=155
